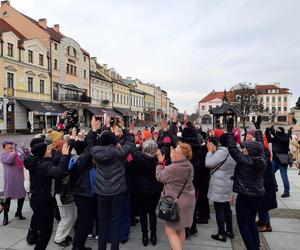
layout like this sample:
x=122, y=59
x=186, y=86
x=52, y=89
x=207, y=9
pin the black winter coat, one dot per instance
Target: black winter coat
x=280, y=142
x=42, y=171
x=249, y=171
x=144, y=167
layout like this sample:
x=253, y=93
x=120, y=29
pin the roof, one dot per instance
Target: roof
x=217, y=95
x=225, y=108
x=263, y=89
x=5, y=27
x=56, y=36
x=98, y=75
x=126, y=81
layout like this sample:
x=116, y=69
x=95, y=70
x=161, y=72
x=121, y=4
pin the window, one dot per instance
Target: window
x=68, y=50
x=41, y=60
x=210, y=107
x=268, y=99
x=42, y=86
x=273, y=99
x=55, y=64
x=279, y=99
x=74, y=52
x=84, y=58
x=68, y=68
x=114, y=97
x=75, y=71
x=10, y=80
x=203, y=107
x=285, y=99
x=55, y=46
x=30, y=84
x=267, y=109
x=30, y=56
x=285, y=109
x=279, y=108
x=84, y=73
x=117, y=97
x=10, y=49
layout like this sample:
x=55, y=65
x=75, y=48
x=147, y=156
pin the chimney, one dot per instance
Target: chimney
x=128, y=78
x=56, y=28
x=213, y=92
x=43, y=23
x=105, y=66
x=5, y=2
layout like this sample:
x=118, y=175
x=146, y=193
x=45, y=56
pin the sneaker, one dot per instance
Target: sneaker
x=285, y=195
x=63, y=243
x=96, y=237
x=90, y=237
x=219, y=237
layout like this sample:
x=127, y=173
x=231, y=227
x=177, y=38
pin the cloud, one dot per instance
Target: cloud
x=187, y=47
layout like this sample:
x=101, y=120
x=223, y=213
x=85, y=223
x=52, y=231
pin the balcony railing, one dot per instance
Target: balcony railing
x=74, y=98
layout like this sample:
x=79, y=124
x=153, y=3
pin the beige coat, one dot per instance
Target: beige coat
x=295, y=148
x=174, y=176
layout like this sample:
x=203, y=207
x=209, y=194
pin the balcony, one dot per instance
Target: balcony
x=75, y=98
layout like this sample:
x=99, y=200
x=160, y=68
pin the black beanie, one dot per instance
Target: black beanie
x=215, y=141
x=36, y=141
x=108, y=138
x=39, y=149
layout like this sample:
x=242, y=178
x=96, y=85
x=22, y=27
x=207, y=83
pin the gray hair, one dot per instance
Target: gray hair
x=150, y=147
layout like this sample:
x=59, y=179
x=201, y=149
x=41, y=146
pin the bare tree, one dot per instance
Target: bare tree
x=246, y=100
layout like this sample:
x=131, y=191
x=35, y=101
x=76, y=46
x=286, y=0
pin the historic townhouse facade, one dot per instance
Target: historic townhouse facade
x=164, y=104
x=24, y=76
x=69, y=63
x=158, y=104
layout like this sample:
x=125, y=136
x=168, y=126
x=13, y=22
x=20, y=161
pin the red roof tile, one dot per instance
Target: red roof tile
x=217, y=95
x=5, y=27
x=262, y=89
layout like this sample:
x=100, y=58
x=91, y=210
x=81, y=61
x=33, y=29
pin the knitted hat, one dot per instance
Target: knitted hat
x=251, y=131
x=218, y=132
x=36, y=141
x=255, y=148
x=39, y=149
x=108, y=138
x=57, y=145
x=7, y=141
x=55, y=135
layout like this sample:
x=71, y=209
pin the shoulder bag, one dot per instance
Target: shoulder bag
x=168, y=206
x=220, y=165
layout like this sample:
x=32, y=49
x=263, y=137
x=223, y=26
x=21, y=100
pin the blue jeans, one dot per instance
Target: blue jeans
x=264, y=217
x=283, y=172
x=246, y=210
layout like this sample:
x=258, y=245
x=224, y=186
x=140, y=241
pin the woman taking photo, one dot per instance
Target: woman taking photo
x=222, y=167
x=174, y=176
x=11, y=159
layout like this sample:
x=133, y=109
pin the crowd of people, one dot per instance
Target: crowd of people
x=99, y=182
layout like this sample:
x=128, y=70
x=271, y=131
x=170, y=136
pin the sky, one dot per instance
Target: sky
x=187, y=47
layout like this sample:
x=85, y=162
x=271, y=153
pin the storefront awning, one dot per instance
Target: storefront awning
x=43, y=108
x=111, y=113
x=96, y=111
x=124, y=112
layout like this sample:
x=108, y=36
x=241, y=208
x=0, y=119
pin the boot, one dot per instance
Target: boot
x=219, y=237
x=31, y=237
x=5, y=218
x=153, y=238
x=187, y=233
x=194, y=229
x=269, y=228
x=18, y=214
x=145, y=240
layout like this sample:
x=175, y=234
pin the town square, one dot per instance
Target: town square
x=149, y=125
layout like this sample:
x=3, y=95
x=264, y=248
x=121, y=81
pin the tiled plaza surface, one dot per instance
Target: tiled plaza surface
x=285, y=222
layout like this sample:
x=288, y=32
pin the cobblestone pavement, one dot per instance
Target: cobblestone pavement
x=285, y=222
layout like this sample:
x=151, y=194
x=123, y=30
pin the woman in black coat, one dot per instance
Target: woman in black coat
x=147, y=187
x=190, y=136
x=248, y=183
x=269, y=202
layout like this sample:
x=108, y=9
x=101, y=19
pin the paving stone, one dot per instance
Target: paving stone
x=283, y=241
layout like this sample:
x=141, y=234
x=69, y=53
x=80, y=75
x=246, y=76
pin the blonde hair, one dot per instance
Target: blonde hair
x=186, y=150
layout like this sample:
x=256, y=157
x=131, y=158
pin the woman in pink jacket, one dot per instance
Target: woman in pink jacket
x=11, y=159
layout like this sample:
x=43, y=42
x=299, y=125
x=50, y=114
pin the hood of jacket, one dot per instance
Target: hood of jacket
x=254, y=148
x=31, y=163
x=103, y=154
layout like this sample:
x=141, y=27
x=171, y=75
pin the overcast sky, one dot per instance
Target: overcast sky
x=187, y=47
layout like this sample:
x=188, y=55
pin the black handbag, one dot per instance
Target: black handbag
x=66, y=196
x=285, y=159
x=168, y=206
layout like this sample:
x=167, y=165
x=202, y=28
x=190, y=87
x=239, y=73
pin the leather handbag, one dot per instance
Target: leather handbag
x=168, y=206
x=285, y=159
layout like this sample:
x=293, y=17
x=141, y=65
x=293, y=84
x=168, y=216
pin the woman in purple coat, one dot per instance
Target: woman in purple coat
x=13, y=178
